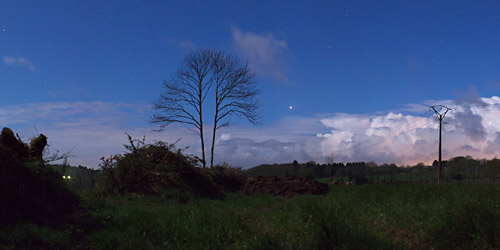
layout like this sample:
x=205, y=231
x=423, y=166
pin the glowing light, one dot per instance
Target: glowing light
x=291, y=107
x=69, y=177
x=64, y=177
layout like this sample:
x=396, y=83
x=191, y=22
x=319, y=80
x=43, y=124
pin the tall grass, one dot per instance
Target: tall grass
x=349, y=217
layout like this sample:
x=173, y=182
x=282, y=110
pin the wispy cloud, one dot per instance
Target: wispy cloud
x=187, y=45
x=18, y=61
x=95, y=129
x=265, y=53
x=181, y=44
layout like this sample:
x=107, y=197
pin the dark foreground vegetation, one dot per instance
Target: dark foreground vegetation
x=154, y=197
x=350, y=217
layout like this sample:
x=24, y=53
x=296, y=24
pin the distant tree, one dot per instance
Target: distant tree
x=311, y=163
x=492, y=168
x=185, y=93
x=460, y=167
x=235, y=93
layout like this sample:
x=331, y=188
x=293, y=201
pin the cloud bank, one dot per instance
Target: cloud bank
x=98, y=129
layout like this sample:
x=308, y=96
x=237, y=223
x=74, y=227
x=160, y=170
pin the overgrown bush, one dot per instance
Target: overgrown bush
x=154, y=169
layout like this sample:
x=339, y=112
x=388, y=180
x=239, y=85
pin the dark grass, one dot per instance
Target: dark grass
x=402, y=216
x=396, y=178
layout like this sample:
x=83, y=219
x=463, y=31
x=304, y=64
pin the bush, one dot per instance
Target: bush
x=153, y=169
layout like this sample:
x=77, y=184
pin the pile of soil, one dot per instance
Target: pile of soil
x=284, y=186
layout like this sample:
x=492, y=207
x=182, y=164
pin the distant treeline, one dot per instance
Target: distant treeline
x=77, y=176
x=456, y=169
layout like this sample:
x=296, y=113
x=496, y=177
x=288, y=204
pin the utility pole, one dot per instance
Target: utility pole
x=440, y=116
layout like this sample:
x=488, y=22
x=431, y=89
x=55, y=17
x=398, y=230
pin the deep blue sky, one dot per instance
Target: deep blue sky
x=321, y=57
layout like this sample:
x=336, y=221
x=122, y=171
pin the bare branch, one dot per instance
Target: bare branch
x=235, y=93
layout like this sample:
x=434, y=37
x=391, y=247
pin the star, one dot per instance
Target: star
x=291, y=107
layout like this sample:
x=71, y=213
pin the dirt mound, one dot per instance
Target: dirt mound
x=284, y=186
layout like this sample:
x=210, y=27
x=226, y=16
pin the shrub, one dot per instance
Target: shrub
x=152, y=169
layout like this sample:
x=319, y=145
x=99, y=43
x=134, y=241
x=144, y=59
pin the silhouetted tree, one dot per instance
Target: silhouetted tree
x=185, y=92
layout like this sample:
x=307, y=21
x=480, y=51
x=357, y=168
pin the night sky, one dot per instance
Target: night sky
x=353, y=79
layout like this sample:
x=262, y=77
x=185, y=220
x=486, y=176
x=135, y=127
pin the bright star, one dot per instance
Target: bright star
x=291, y=107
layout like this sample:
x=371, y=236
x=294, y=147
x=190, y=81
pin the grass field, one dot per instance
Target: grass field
x=402, y=216
x=395, y=178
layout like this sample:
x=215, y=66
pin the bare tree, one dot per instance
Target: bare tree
x=235, y=93
x=182, y=101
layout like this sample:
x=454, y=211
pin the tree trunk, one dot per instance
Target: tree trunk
x=214, y=130
x=213, y=143
x=201, y=137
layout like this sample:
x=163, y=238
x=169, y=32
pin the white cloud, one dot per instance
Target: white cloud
x=21, y=61
x=225, y=137
x=405, y=139
x=264, y=52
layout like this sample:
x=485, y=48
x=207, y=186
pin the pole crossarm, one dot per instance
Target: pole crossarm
x=438, y=114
